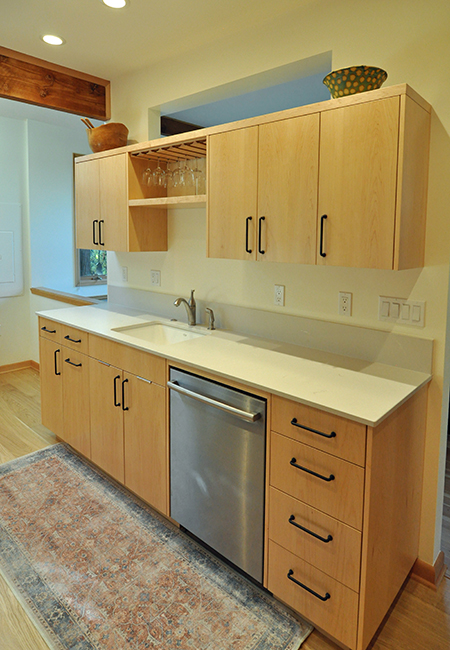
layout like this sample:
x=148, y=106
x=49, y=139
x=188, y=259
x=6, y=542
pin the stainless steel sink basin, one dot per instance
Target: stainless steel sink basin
x=159, y=333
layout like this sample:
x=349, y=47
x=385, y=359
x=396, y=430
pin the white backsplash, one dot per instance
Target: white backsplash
x=372, y=345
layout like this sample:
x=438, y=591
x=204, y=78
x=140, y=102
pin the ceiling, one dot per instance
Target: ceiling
x=107, y=42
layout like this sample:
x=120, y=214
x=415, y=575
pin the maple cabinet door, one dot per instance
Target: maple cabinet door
x=106, y=418
x=114, y=203
x=50, y=360
x=287, y=189
x=146, y=444
x=87, y=204
x=232, y=194
x=358, y=184
x=76, y=428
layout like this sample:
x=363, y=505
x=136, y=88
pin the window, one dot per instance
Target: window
x=91, y=267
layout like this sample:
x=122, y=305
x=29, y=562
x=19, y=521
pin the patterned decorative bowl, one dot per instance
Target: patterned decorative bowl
x=107, y=136
x=357, y=79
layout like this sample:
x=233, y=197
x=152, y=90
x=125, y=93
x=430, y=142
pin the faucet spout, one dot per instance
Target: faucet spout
x=191, y=307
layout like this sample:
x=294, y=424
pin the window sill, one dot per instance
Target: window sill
x=70, y=298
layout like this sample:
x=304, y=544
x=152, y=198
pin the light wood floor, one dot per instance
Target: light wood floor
x=419, y=619
x=445, y=543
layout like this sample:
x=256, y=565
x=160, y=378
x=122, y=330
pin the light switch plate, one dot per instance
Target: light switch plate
x=399, y=310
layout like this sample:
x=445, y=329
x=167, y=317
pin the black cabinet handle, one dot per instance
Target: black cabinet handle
x=293, y=462
x=44, y=329
x=56, y=362
x=124, y=408
x=100, y=233
x=93, y=232
x=77, y=365
x=116, y=403
x=73, y=340
x=319, y=433
x=322, y=221
x=248, y=250
x=300, y=584
x=310, y=532
x=261, y=219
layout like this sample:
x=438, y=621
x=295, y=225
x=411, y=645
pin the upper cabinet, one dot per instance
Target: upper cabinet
x=262, y=191
x=104, y=219
x=372, y=184
x=339, y=183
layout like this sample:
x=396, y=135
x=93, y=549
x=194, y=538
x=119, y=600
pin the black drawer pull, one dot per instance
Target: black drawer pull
x=310, y=532
x=293, y=462
x=44, y=329
x=100, y=233
x=300, y=584
x=321, y=249
x=116, y=403
x=124, y=408
x=77, y=365
x=73, y=340
x=319, y=433
x=94, y=241
x=56, y=363
x=247, y=249
x=261, y=219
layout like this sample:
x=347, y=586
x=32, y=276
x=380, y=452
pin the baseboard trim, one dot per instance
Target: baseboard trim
x=20, y=365
x=429, y=574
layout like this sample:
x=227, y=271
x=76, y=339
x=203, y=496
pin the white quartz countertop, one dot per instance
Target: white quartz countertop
x=360, y=390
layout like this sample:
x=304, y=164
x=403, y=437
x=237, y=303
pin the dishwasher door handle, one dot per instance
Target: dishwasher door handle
x=249, y=417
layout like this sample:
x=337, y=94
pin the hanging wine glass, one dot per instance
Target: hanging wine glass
x=168, y=175
x=176, y=174
x=147, y=176
x=158, y=176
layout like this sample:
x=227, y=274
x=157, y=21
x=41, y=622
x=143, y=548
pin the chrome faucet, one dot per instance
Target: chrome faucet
x=212, y=320
x=191, y=307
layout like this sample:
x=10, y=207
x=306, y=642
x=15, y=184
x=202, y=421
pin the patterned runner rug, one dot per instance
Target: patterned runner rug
x=98, y=570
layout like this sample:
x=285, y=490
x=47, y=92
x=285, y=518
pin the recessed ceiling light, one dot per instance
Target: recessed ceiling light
x=53, y=40
x=115, y=4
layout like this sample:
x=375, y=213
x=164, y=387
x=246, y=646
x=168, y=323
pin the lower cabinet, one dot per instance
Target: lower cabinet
x=343, y=514
x=65, y=394
x=114, y=417
x=128, y=431
x=342, y=501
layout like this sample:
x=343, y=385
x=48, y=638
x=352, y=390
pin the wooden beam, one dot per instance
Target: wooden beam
x=34, y=81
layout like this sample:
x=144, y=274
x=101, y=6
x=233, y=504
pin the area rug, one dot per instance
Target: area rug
x=96, y=569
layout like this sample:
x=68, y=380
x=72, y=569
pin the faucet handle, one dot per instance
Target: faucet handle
x=212, y=320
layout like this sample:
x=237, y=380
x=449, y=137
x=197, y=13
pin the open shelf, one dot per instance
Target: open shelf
x=192, y=201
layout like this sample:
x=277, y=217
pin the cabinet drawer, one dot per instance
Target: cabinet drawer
x=49, y=329
x=338, y=557
x=340, y=496
x=325, y=431
x=138, y=362
x=75, y=339
x=337, y=615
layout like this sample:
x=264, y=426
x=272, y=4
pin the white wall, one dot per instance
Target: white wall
x=36, y=171
x=411, y=40
x=50, y=173
x=14, y=311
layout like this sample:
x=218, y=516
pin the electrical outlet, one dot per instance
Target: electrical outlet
x=279, y=295
x=345, y=303
x=125, y=273
x=155, y=278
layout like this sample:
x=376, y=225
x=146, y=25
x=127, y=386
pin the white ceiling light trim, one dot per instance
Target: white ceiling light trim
x=115, y=4
x=51, y=39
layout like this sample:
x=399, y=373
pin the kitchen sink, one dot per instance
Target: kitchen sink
x=160, y=333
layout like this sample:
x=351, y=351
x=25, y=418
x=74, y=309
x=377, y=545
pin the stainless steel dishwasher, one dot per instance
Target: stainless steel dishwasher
x=217, y=467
